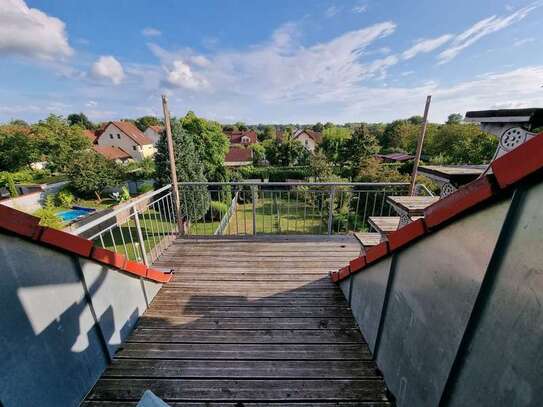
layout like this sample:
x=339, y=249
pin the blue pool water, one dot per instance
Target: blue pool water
x=72, y=214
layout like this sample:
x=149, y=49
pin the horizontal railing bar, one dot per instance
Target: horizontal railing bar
x=244, y=183
x=110, y=215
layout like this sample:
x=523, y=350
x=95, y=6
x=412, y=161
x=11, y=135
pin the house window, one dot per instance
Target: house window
x=134, y=148
x=111, y=136
x=118, y=136
x=307, y=143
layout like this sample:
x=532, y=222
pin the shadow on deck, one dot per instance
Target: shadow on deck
x=252, y=321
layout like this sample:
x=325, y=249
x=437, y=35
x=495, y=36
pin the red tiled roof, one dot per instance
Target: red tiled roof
x=112, y=153
x=236, y=136
x=523, y=161
x=27, y=226
x=157, y=128
x=315, y=135
x=91, y=135
x=133, y=132
x=238, y=154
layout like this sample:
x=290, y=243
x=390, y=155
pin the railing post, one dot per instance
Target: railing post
x=331, y=209
x=253, y=195
x=140, y=235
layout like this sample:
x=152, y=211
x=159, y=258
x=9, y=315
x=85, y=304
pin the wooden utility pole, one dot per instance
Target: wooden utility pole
x=173, y=171
x=419, y=146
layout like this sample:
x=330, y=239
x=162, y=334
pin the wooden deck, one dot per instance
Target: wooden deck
x=247, y=322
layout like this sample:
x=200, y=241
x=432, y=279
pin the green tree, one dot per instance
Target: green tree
x=318, y=127
x=210, y=143
x=259, y=153
x=241, y=126
x=320, y=167
x=90, y=174
x=17, y=148
x=361, y=146
x=59, y=141
x=81, y=120
x=286, y=152
x=334, y=143
x=195, y=198
x=267, y=134
x=11, y=186
x=455, y=118
x=144, y=122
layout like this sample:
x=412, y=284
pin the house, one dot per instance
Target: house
x=244, y=138
x=238, y=156
x=394, y=157
x=92, y=135
x=307, y=137
x=113, y=153
x=154, y=133
x=127, y=137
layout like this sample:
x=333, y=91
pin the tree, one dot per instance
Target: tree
x=241, y=126
x=11, y=186
x=259, y=153
x=79, y=119
x=90, y=174
x=361, y=146
x=210, y=143
x=320, y=167
x=144, y=122
x=267, y=134
x=17, y=148
x=318, y=127
x=334, y=142
x=455, y=118
x=286, y=152
x=194, y=198
x=58, y=141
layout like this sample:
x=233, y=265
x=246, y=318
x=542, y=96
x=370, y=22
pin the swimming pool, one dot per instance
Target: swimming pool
x=74, y=213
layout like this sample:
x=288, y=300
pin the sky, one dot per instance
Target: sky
x=260, y=61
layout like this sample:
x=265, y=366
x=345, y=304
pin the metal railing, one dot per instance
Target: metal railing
x=250, y=208
x=141, y=230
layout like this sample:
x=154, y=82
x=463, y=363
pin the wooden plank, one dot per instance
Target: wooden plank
x=308, y=336
x=248, y=312
x=412, y=205
x=368, y=239
x=195, y=322
x=384, y=224
x=255, y=369
x=241, y=390
x=109, y=403
x=197, y=301
x=150, y=350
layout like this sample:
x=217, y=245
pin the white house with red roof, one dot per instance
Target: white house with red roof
x=309, y=138
x=244, y=138
x=128, y=138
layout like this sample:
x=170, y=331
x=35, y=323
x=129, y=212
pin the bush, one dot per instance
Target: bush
x=64, y=198
x=217, y=210
x=142, y=189
x=49, y=218
x=11, y=186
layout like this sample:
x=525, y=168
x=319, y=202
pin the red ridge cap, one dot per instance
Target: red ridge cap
x=520, y=162
x=357, y=264
x=66, y=241
x=376, y=252
x=344, y=272
x=461, y=200
x=159, y=276
x=135, y=268
x=19, y=222
x=334, y=276
x=406, y=234
x=105, y=256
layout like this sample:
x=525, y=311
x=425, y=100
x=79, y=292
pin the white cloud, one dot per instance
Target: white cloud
x=481, y=29
x=107, y=67
x=151, y=32
x=426, y=45
x=524, y=41
x=180, y=74
x=331, y=11
x=360, y=8
x=91, y=103
x=30, y=32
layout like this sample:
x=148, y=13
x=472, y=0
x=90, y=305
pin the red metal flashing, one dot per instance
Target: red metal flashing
x=376, y=252
x=108, y=257
x=466, y=197
x=344, y=272
x=357, y=264
x=520, y=162
x=66, y=241
x=159, y=276
x=19, y=222
x=135, y=268
x=406, y=234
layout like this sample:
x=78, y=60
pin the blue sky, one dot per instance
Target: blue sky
x=259, y=61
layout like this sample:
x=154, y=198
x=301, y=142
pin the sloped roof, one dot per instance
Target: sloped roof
x=28, y=227
x=238, y=154
x=91, y=135
x=395, y=156
x=111, y=152
x=133, y=132
x=508, y=170
x=157, y=128
x=315, y=135
x=235, y=136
